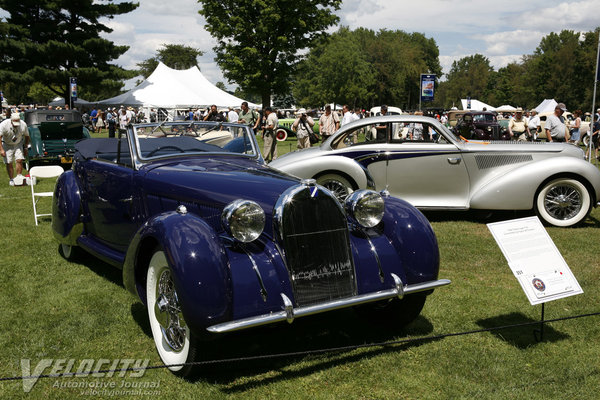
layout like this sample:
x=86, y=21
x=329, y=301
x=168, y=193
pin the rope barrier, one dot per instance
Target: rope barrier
x=302, y=353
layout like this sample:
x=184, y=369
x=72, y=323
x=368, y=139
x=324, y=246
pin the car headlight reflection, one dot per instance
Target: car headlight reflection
x=365, y=207
x=244, y=220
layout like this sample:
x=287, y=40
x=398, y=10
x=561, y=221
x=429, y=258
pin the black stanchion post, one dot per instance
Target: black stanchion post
x=540, y=331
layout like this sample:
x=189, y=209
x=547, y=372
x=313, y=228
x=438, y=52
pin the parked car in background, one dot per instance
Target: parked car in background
x=584, y=128
x=480, y=125
x=285, y=126
x=212, y=240
x=441, y=171
x=53, y=134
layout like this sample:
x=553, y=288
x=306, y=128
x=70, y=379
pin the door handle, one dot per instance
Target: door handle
x=454, y=160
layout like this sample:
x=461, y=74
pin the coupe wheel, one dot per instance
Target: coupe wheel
x=172, y=337
x=398, y=312
x=337, y=184
x=281, y=135
x=563, y=202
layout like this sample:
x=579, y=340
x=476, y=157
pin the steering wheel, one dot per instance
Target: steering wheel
x=163, y=148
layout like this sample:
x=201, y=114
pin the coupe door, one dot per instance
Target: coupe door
x=428, y=173
x=110, y=194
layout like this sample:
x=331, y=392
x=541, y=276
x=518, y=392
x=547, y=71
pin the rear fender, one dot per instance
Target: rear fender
x=66, y=209
x=198, y=264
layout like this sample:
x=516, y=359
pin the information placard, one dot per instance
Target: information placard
x=534, y=260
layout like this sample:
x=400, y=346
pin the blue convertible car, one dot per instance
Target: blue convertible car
x=212, y=240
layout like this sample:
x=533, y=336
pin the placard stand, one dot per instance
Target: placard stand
x=540, y=331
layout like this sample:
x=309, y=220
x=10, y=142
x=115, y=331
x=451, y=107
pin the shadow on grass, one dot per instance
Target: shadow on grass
x=521, y=337
x=99, y=267
x=329, y=330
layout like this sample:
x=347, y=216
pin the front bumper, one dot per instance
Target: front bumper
x=289, y=313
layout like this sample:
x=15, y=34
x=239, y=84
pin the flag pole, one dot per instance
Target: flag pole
x=596, y=79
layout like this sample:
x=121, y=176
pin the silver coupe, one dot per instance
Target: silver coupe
x=419, y=160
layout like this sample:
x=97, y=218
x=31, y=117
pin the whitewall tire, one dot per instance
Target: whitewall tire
x=563, y=202
x=172, y=337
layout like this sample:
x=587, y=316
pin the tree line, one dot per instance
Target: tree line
x=282, y=50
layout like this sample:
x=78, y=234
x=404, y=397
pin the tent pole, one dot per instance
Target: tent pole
x=594, y=102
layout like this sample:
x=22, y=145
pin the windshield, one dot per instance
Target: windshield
x=177, y=138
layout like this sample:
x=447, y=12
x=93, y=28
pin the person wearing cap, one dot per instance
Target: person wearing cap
x=14, y=132
x=533, y=125
x=555, y=124
x=517, y=127
x=303, y=126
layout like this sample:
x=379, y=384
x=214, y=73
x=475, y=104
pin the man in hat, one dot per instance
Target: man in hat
x=517, y=127
x=303, y=126
x=533, y=125
x=555, y=124
x=14, y=132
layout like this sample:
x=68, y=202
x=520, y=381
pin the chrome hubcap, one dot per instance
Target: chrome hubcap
x=168, y=312
x=563, y=202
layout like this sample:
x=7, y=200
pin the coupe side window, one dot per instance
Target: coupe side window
x=366, y=134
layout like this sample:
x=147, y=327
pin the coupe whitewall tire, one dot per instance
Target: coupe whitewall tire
x=171, y=335
x=281, y=135
x=563, y=202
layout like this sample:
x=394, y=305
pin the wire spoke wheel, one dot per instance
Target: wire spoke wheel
x=563, y=202
x=336, y=184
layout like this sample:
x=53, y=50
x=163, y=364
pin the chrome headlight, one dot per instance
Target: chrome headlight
x=244, y=220
x=365, y=207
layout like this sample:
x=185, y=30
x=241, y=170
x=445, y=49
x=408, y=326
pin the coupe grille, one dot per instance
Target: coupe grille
x=313, y=230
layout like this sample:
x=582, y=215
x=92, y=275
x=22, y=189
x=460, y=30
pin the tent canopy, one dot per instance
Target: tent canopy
x=170, y=88
x=476, y=105
x=505, y=108
x=546, y=105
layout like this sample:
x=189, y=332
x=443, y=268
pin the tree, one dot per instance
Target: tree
x=176, y=56
x=258, y=41
x=49, y=41
x=469, y=76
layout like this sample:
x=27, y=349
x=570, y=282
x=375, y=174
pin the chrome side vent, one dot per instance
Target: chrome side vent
x=485, y=161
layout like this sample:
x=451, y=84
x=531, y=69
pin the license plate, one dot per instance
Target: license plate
x=66, y=160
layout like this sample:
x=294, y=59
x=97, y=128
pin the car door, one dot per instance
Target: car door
x=109, y=192
x=428, y=173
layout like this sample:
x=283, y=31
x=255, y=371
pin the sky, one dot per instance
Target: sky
x=503, y=31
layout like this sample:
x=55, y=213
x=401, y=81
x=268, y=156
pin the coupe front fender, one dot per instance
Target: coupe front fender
x=198, y=264
x=516, y=189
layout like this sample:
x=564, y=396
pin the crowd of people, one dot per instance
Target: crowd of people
x=523, y=125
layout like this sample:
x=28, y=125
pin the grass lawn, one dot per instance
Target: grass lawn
x=54, y=309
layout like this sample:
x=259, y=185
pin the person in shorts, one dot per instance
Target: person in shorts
x=15, y=138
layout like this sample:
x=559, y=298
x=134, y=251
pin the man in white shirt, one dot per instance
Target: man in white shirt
x=348, y=115
x=232, y=115
x=533, y=125
x=14, y=132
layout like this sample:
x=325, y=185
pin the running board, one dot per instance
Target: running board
x=289, y=312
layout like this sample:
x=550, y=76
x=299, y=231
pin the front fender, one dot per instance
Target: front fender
x=198, y=264
x=413, y=238
x=516, y=189
x=66, y=206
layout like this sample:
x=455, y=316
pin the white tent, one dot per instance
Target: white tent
x=505, y=108
x=170, y=88
x=546, y=105
x=476, y=105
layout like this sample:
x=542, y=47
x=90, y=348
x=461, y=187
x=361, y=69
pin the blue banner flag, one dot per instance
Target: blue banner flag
x=73, y=88
x=427, y=87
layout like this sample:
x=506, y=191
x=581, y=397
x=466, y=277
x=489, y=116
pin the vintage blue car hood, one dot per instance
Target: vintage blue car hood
x=215, y=182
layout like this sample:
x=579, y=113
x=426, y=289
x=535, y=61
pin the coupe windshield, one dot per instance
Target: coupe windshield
x=177, y=138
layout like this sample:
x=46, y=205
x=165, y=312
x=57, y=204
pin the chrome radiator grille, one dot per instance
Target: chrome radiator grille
x=313, y=232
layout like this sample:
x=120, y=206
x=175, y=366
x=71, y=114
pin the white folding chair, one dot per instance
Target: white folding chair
x=49, y=171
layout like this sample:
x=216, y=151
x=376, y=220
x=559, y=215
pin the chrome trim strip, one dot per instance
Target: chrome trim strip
x=290, y=312
x=374, y=251
x=263, y=290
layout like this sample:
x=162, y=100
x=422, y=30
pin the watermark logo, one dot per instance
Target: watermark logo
x=100, y=368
